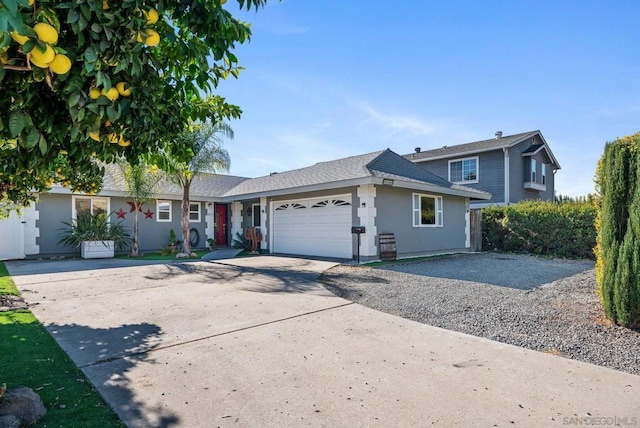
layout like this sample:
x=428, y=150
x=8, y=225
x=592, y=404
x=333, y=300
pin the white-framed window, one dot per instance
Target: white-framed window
x=464, y=170
x=533, y=170
x=90, y=204
x=543, y=173
x=163, y=211
x=427, y=210
x=194, y=212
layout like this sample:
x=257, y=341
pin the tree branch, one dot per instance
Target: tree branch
x=17, y=67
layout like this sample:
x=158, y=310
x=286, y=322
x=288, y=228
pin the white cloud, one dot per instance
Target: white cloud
x=394, y=124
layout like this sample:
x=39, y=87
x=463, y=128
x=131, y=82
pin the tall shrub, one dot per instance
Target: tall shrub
x=538, y=227
x=617, y=250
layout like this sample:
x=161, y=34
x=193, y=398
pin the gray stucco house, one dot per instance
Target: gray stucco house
x=307, y=211
x=512, y=168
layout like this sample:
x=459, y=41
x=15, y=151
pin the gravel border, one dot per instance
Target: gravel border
x=547, y=305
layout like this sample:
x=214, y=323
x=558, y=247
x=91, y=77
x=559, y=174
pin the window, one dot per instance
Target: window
x=194, y=212
x=464, y=170
x=427, y=210
x=544, y=173
x=91, y=205
x=255, y=209
x=163, y=210
x=533, y=170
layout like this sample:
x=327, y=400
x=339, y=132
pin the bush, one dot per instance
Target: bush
x=618, y=223
x=545, y=228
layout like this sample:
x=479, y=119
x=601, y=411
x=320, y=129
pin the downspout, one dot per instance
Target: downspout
x=506, y=175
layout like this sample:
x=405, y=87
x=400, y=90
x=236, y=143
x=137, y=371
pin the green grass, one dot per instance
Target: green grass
x=158, y=256
x=30, y=357
x=6, y=283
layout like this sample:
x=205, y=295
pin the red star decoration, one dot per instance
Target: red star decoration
x=132, y=204
x=121, y=213
x=148, y=214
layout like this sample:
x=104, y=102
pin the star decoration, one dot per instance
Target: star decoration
x=132, y=204
x=148, y=214
x=121, y=213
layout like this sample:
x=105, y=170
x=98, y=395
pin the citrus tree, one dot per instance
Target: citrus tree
x=88, y=81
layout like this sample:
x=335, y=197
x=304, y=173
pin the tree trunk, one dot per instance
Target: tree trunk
x=135, y=248
x=186, y=243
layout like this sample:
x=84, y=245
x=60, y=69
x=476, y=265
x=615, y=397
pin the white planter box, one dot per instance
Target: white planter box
x=97, y=249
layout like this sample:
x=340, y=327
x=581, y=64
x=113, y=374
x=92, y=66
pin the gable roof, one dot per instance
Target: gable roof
x=482, y=146
x=349, y=168
x=203, y=187
x=367, y=168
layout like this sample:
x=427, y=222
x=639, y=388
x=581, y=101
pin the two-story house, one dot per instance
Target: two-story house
x=512, y=168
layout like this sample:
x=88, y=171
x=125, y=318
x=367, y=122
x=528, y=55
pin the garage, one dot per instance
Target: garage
x=313, y=227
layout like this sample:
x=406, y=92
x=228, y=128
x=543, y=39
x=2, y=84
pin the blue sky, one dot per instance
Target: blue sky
x=326, y=79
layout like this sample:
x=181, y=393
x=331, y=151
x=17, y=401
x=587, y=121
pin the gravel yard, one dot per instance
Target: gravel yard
x=548, y=305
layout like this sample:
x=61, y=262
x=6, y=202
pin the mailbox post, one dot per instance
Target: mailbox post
x=358, y=230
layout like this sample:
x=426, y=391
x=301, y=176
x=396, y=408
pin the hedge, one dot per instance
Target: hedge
x=545, y=228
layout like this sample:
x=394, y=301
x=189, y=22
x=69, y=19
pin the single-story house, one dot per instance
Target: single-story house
x=308, y=211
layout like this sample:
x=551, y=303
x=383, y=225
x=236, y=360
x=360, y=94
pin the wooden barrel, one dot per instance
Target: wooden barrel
x=387, y=246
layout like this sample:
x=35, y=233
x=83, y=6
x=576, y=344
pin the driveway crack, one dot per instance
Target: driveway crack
x=211, y=336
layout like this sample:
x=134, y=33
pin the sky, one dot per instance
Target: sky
x=326, y=79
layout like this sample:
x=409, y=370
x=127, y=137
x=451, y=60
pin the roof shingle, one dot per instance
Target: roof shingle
x=475, y=146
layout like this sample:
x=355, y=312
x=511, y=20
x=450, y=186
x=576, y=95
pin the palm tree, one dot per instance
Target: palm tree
x=205, y=155
x=141, y=181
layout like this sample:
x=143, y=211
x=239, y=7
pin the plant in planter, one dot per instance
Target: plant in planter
x=212, y=243
x=94, y=235
x=173, y=246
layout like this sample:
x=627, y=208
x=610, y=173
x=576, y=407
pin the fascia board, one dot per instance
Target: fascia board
x=303, y=189
x=441, y=190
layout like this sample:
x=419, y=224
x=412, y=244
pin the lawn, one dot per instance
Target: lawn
x=30, y=357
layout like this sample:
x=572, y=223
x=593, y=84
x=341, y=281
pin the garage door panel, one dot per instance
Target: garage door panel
x=319, y=227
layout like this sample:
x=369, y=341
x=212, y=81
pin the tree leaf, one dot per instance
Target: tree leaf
x=112, y=114
x=73, y=99
x=32, y=138
x=90, y=54
x=16, y=123
x=72, y=16
x=42, y=143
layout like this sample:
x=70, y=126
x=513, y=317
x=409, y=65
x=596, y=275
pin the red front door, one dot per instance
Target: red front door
x=220, y=225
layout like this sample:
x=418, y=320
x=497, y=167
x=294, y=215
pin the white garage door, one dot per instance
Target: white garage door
x=314, y=227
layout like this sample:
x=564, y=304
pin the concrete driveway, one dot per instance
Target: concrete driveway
x=259, y=342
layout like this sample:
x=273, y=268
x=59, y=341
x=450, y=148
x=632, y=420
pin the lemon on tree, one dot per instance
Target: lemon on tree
x=19, y=38
x=94, y=93
x=61, y=64
x=42, y=59
x=123, y=89
x=113, y=138
x=46, y=33
x=152, y=16
x=112, y=94
x=153, y=38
